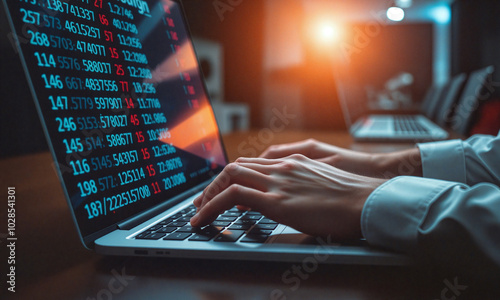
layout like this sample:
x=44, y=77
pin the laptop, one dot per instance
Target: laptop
x=131, y=129
x=387, y=127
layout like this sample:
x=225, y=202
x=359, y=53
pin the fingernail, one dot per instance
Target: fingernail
x=194, y=219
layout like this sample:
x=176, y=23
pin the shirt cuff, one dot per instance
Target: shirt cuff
x=393, y=212
x=443, y=160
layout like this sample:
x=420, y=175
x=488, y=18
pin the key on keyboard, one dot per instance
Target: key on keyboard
x=229, y=227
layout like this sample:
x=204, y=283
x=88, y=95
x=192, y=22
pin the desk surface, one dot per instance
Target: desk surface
x=51, y=263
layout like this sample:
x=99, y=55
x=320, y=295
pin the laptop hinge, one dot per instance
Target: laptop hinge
x=144, y=216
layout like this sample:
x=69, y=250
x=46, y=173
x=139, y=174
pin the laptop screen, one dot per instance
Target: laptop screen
x=352, y=97
x=122, y=101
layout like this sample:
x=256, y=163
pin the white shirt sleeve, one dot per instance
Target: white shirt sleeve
x=472, y=161
x=435, y=218
x=454, y=210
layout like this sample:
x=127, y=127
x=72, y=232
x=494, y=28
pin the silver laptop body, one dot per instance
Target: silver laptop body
x=387, y=127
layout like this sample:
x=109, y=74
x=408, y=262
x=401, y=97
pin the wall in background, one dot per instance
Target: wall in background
x=475, y=35
x=238, y=27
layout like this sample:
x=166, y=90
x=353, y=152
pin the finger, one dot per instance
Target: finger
x=264, y=169
x=277, y=151
x=262, y=161
x=197, y=200
x=331, y=160
x=235, y=195
x=270, y=166
x=242, y=207
x=210, y=189
x=234, y=174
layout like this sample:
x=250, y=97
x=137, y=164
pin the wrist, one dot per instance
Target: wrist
x=385, y=164
x=403, y=163
x=371, y=185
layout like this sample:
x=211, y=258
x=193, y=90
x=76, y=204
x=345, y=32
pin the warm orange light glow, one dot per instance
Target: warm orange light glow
x=326, y=32
x=198, y=129
x=329, y=32
x=186, y=134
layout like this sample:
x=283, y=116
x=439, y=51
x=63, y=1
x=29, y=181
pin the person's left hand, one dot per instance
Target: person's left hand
x=310, y=196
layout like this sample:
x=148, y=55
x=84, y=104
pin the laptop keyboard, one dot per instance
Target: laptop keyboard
x=408, y=124
x=231, y=226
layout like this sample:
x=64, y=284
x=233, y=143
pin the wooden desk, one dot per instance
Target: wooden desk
x=51, y=263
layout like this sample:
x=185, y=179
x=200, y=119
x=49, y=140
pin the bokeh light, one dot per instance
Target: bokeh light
x=395, y=14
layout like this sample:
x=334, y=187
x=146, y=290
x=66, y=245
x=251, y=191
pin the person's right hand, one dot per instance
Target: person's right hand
x=381, y=165
x=307, y=195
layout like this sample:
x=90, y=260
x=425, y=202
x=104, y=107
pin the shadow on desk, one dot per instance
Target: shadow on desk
x=158, y=278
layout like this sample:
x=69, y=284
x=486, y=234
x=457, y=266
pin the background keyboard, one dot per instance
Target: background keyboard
x=408, y=124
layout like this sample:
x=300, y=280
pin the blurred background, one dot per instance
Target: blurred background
x=263, y=55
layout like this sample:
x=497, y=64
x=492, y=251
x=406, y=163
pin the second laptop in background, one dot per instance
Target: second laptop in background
x=441, y=105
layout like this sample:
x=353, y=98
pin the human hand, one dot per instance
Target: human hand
x=308, y=195
x=380, y=165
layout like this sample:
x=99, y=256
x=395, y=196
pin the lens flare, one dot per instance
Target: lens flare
x=327, y=33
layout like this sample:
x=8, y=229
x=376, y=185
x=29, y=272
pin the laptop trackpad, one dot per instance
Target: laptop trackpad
x=292, y=236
